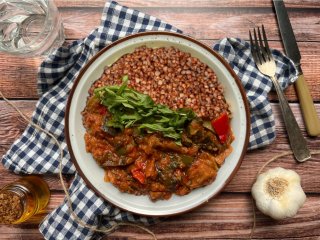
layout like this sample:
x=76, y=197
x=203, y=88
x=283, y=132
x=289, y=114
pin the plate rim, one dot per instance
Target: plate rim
x=141, y=34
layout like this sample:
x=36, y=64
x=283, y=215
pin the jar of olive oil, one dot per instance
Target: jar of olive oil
x=22, y=199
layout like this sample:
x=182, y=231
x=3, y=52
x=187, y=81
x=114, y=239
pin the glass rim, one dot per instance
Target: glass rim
x=52, y=10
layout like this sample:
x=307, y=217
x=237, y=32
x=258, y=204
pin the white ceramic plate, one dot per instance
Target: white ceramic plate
x=94, y=175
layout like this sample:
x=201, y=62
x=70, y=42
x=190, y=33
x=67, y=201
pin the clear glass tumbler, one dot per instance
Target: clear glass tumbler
x=30, y=27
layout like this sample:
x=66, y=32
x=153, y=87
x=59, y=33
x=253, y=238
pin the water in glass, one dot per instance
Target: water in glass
x=29, y=27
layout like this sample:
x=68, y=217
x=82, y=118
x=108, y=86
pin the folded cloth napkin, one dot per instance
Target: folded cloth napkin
x=35, y=152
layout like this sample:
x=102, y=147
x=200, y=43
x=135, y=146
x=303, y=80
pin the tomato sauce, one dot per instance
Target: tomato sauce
x=149, y=164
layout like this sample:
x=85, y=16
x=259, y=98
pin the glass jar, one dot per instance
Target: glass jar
x=21, y=200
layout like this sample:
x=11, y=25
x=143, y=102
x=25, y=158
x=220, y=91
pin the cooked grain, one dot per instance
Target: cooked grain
x=171, y=77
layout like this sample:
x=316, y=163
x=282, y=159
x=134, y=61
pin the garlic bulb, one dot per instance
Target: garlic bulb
x=278, y=193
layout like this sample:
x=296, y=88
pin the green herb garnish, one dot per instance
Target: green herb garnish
x=130, y=108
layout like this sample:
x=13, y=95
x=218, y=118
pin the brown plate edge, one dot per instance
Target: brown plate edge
x=87, y=65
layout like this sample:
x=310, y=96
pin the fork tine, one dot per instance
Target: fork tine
x=258, y=51
x=266, y=43
x=253, y=49
x=262, y=47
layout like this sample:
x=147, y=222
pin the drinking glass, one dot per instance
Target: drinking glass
x=30, y=27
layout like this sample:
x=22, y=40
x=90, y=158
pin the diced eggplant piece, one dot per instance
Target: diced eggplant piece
x=186, y=159
x=103, y=152
x=185, y=140
x=194, y=127
x=202, y=172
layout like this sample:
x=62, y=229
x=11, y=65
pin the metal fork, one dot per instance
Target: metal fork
x=264, y=60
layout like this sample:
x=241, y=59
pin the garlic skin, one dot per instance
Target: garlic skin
x=278, y=193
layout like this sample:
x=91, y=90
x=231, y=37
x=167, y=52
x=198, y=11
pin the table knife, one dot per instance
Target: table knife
x=309, y=113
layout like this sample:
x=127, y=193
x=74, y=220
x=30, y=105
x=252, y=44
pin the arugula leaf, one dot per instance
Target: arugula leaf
x=130, y=108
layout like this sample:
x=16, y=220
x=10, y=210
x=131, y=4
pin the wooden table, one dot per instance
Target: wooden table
x=230, y=214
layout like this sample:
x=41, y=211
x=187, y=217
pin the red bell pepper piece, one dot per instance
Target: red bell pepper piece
x=140, y=165
x=137, y=172
x=139, y=175
x=102, y=110
x=221, y=126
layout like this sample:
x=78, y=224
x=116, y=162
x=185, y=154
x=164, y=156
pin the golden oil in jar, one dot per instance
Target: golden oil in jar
x=21, y=200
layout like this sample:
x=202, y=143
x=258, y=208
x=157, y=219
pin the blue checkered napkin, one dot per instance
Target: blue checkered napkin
x=257, y=86
x=91, y=209
x=35, y=152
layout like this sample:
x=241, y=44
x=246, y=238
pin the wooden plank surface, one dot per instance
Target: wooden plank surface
x=19, y=80
x=226, y=21
x=216, y=220
x=228, y=216
x=190, y=3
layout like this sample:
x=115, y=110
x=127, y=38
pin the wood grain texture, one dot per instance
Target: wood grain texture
x=226, y=22
x=17, y=72
x=11, y=123
x=52, y=180
x=189, y=3
x=18, y=81
x=228, y=216
x=215, y=219
x=18, y=76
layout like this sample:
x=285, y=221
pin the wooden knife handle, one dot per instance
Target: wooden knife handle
x=311, y=120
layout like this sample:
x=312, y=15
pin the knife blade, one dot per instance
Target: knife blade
x=309, y=113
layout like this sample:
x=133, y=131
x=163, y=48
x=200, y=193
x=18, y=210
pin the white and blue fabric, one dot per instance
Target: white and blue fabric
x=35, y=153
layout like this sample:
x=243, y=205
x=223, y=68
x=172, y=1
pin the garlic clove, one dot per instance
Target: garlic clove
x=276, y=210
x=290, y=175
x=297, y=200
